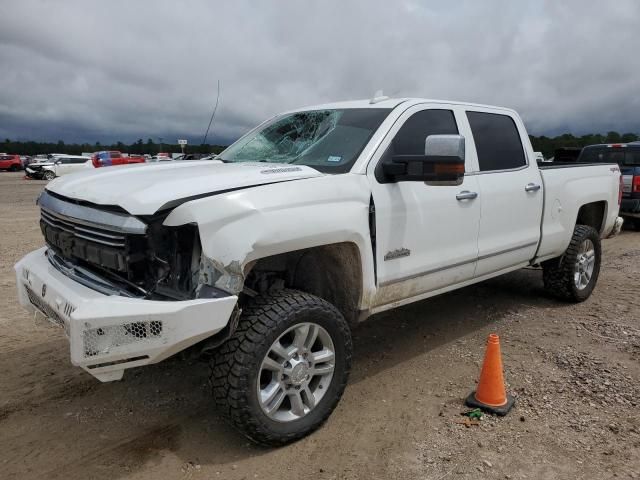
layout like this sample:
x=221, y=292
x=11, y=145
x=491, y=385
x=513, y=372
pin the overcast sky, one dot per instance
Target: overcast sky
x=81, y=70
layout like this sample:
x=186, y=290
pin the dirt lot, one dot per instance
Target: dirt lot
x=574, y=368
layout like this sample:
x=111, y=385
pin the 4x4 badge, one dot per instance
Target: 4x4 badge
x=44, y=289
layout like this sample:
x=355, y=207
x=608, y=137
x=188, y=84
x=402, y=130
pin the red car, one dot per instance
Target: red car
x=10, y=162
x=106, y=159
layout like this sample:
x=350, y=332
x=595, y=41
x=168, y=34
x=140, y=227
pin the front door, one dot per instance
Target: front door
x=426, y=235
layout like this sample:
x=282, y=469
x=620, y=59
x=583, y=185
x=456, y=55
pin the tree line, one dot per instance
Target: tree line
x=138, y=147
x=546, y=145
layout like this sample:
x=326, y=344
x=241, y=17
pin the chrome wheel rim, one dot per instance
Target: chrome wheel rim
x=585, y=263
x=296, y=372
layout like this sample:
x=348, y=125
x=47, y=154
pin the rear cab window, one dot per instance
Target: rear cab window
x=498, y=143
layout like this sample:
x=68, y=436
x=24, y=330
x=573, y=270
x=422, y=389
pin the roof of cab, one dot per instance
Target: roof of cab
x=390, y=103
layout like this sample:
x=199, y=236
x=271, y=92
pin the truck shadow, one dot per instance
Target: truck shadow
x=423, y=326
x=114, y=429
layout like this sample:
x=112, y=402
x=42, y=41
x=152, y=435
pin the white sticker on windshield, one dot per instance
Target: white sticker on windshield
x=334, y=158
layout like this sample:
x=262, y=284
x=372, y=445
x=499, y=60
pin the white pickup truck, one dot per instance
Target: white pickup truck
x=310, y=223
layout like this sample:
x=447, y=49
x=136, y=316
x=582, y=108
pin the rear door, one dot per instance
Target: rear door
x=510, y=188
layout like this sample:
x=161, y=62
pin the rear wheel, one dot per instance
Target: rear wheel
x=48, y=175
x=14, y=168
x=284, y=369
x=573, y=276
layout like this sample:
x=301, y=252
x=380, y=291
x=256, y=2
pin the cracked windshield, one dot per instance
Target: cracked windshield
x=327, y=140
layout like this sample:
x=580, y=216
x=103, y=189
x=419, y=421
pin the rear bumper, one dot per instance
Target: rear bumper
x=108, y=333
x=630, y=205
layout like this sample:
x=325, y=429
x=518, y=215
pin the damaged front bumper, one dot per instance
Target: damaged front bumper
x=110, y=333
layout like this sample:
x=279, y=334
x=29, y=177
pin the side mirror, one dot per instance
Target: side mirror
x=441, y=164
x=58, y=162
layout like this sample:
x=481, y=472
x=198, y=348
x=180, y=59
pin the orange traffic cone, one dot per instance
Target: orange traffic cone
x=491, y=395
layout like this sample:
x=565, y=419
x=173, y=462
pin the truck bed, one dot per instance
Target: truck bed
x=566, y=190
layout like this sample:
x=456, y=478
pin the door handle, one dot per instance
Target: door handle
x=531, y=187
x=466, y=195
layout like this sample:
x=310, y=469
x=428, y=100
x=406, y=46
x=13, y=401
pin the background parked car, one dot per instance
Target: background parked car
x=58, y=166
x=160, y=158
x=39, y=158
x=191, y=156
x=35, y=169
x=627, y=156
x=10, y=162
x=114, y=157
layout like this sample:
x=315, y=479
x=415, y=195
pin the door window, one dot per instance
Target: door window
x=411, y=137
x=497, y=141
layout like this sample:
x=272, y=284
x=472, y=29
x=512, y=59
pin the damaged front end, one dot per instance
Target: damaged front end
x=127, y=291
x=118, y=254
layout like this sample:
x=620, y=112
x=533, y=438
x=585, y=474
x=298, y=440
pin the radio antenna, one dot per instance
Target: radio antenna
x=213, y=114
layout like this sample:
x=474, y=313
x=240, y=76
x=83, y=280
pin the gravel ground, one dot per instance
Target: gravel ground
x=574, y=369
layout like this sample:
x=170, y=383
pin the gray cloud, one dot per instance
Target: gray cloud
x=88, y=70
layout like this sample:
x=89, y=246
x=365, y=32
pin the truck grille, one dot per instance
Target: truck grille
x=115, y=253
x=97, y=235
x=83, y=230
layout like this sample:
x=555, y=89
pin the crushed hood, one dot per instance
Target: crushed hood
x=144, y=189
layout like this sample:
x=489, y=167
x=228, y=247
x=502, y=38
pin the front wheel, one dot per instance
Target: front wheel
x=48, y=175
x=573, y=276
x=284, y=369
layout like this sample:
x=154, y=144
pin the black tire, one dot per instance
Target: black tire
x=14, y=168
x=236, y=364
x=48, y=175
x=558, y=274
